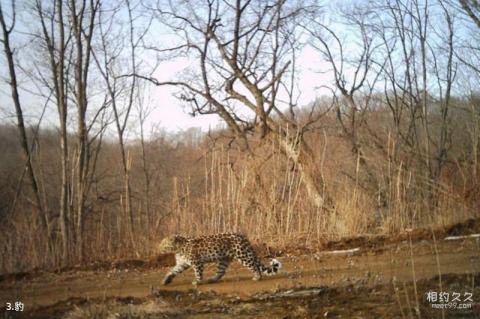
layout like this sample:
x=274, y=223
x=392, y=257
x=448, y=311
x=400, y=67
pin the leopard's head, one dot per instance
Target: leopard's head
x=171, y=244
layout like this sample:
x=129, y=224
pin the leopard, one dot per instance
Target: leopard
x=221, y=249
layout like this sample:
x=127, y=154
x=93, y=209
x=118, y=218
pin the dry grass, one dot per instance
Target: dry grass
x=201, y=189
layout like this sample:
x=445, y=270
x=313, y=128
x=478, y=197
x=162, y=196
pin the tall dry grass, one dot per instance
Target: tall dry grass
x=199, y=187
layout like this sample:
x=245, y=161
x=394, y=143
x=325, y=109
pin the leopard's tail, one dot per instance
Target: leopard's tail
x=275, y=266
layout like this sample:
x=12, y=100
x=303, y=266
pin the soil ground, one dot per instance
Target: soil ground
x=381, y=279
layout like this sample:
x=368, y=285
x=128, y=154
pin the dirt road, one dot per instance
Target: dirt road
x=362, y=281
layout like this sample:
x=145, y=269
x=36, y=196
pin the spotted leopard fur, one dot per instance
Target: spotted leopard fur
x=219, y=248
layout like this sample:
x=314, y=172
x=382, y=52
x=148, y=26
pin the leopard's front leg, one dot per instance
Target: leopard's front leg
x=179, y=267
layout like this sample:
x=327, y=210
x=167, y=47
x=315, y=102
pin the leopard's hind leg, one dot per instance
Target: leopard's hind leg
x=249, y=259
x=198, y=269
x=221, y=268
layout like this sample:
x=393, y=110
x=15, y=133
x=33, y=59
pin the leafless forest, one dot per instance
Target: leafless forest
x=391, y=143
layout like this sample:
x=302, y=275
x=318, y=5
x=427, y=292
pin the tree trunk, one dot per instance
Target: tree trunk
x=21, y=126
x=62, y=113
x=300, y=154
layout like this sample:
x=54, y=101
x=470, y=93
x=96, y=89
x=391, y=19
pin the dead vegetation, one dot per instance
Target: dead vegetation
x=392, y=146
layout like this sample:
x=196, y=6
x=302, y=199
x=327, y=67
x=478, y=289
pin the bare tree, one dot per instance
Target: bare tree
x=445, y=69
x=424, y=79
x=55, y=40
x=69, y=48
x=9, y=55
x=472, y=9
x=83, y=16
x=245, y=64
x=351, y=74
x=143, y=112
x=121, y=91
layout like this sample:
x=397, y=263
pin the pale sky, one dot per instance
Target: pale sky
x=168, y=112
x=171, y=114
